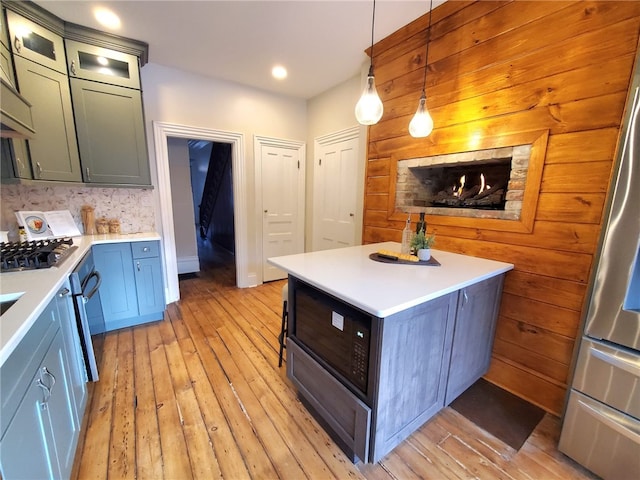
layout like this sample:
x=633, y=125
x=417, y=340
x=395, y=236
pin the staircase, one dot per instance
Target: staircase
x=218, y=164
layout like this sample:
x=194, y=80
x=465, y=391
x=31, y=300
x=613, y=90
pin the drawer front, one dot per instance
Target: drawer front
x=600, y=438
x=348, y=417
x=145, y=249
x=609, y=375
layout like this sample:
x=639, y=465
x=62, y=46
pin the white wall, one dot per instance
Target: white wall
x=183, y=211
x=330, y=112
x=181, y=98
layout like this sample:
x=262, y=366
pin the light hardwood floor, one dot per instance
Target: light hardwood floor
x=200, y=395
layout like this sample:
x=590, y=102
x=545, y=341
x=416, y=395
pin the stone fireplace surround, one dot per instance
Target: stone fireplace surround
x=412, y=186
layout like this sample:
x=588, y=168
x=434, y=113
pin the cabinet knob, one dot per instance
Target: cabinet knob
x=145, y=249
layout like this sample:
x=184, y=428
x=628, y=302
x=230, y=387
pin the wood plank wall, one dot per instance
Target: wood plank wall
x=500, y=73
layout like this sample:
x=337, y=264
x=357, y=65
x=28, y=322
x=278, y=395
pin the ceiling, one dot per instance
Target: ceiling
x=321, y=43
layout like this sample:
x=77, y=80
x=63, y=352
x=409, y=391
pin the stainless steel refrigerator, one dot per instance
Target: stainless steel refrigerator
x=601, y=425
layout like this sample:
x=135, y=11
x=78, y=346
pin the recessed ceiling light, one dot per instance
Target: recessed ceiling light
x=279, y=72
x=107, y=18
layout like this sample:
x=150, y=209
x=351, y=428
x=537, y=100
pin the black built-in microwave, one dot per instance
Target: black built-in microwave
x=337, y=334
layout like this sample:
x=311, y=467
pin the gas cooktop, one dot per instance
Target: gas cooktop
x=17, y=256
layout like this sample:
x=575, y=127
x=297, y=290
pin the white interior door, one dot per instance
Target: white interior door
x=335, y=193
x=282, y=198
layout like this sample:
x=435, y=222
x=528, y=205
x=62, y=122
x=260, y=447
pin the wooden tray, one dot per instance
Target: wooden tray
x=432, y=262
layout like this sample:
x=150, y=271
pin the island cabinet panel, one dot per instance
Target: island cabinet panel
x=476, y=316
x=348, y=416
x=414, y=354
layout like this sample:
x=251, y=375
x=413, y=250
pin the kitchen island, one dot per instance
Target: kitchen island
x=422, y=335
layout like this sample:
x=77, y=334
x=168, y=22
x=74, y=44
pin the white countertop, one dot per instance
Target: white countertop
x=383, y=289
x=39, y=286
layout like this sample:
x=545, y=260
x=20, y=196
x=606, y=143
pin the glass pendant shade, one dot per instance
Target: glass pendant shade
x=421, y=124
x=369, y=107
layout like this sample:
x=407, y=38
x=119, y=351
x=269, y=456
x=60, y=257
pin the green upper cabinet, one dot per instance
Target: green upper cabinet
x=84, y=88
x=54, y=150
x=111, y=133
x=102, y=65
x=34, y=42
x=40, y=67
x=108, y=115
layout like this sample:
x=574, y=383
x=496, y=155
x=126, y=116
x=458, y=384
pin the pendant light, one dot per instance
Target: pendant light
x=421, y=124
x=369, y=107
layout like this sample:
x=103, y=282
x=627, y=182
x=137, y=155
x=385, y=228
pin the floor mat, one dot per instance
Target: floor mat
x=499, y=412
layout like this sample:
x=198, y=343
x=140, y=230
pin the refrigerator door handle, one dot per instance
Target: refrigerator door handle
x=614, y=424
x=630, y=367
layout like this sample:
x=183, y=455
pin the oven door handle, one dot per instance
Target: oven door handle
x=94, y=274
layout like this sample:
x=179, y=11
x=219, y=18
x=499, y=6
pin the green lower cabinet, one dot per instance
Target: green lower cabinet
x=43, y=399
x=132, y=290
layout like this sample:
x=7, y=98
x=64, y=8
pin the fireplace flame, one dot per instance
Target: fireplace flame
x=458, y=192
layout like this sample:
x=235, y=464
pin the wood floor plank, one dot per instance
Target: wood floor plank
x=450, y=467
x=256, y=459
x=226, y=451
x=94, y=461
x=494, y=450
x=204, y=463
x=205, y=398
x=148, y=449
x=286, y=464
x=175, y=456
x=298, y=445
x=122, y=452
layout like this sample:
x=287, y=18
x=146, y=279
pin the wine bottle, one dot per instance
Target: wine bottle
x=421, y=225
x=406, y=237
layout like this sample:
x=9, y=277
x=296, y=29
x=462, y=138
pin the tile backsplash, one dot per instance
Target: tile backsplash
x=133, y=207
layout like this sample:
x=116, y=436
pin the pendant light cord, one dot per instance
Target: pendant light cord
x=373, y=22
x=426, y=58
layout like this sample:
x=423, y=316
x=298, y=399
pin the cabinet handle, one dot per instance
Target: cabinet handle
x=39, y=169
x=46, y=372
x=88, y=175
x=73, y=67
x=138, y=265
x=47, y=394
x=64, y=292
x=17, y=43
x=465, y=297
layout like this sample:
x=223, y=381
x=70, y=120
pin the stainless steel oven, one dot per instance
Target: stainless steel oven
x=85, y=284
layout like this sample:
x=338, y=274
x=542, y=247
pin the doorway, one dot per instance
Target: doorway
x=212, y=195
x=162, y=132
